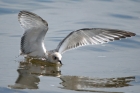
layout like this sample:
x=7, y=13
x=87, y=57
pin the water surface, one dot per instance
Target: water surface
x=112, y=67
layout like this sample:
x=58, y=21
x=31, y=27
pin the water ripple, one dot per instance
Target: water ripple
x=123, y=16
x=7, y=10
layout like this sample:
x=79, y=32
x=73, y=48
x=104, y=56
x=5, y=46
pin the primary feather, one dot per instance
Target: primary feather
x=91, y=36
x=35, y=28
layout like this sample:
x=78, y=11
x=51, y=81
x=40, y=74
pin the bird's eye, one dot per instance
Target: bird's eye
x=55, y=58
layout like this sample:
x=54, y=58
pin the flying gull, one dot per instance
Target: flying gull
x=32, y=41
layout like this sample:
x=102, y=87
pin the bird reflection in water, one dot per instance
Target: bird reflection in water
x=30, y=69
x=79, y=83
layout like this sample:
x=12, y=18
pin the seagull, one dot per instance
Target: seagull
x=32, y=41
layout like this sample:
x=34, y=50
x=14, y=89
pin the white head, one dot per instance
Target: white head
x=55, y=57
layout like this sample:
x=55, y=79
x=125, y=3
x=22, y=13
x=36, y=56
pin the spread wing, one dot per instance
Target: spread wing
x=35, y=29
x=91, y=36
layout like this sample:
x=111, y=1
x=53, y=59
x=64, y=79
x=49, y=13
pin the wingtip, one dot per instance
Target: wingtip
x=20, y=13
x=133, y=34
x=23, y=12
x=130, y=34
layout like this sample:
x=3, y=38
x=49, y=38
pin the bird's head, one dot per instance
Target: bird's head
x=55, y=57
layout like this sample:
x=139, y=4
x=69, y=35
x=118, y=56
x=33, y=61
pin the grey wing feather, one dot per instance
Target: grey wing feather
x=35, y=29
x=29, y=20
x=91, y=36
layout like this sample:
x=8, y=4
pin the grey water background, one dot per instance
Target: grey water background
x=111, y=60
